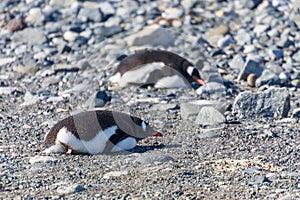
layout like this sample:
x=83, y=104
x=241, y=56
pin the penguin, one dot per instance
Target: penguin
x=157, y=68
x=96, y=132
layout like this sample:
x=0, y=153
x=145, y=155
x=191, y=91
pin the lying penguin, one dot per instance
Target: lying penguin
x=158, y=68
x=95, y=132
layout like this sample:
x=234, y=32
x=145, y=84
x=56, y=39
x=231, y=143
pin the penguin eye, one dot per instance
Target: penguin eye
x=190, y=70
x=144, y=125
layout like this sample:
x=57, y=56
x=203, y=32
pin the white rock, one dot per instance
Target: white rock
x=151, y=35
x=35, y=16
x=70, y=36
x=6, y=61
x=44, y=159
x=114, y=174
x=173, y=13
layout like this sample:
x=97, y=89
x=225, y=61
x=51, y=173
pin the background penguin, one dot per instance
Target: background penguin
x=158, y=68
x=95, y=132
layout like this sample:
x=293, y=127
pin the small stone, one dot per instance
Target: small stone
x=149, y=158
x=31, y=36
x=270, y=103
x=55, y=99
x=250, y=67
x=225, y=41
x=173, y=13
x=243, y=37
x=65, y=68
x=15, y=24
x=98, y=99
x=7, y=90
x=35, y=16
x=6, y=61
x=209, y=116
x=153, y=35
x=251, y=4
x=69, y=188
x=251, y=80
x=296, y=113
x=261, y=28
x=30, y=99
x=90, y=14
x=189, y=111
x=70, y=36
x=296, y=56
x=258, y=180
x=296, y=83
x=115, y=174
x=267, y=77
x=237, y=62
x=214, y=34
x=44, y=159
x=107, y=8
x=276, y=54
x=165, y=107
x=284, y=42
x=26, y=69
x=212, y=89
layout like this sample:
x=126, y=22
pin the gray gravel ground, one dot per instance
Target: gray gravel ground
x=67, y=51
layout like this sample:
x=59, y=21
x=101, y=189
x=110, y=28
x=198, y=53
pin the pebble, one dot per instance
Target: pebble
x=209, y=116
x=26, y=69
x=30, y=99
x=7, y=90
x=150, y=158
x=267, y=77
x=90, y=14
x=115, y=174
x=296, y=113
x=154, y=36
x=190, y=110
x=173, y=13
x=165, y=107
x=251, y=80
x=296, y=56
x=250, y=67
x=237, y=62
x=43, y=159
x=15, y=24
x=35, y=16
x=6, y=61
x=31, y=36
x=69, y=188
x=70, y=36
x=270, y=103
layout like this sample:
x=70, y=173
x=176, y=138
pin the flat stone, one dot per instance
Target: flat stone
x=26, y=69
x=214, y=34
x=243, y=37
x=15, y=24
x=115, y=174
x=30, y=99
x=237, y=62
x=65, y=68
x=296, y=113
x=250, y=67
x=55, y=99
x=212, y=89
x=61, y=3
x=7, y=61
x=276, y=53
x=189, y=111
x=270, y=103
x=50, y=80
x=165, y=107
x=35, y=16
x=258, y=179
x=153, y=35
x=43, y=159
x=69, y=188
x=90, y=14
x=267, y=77
x=209, y=116
x=149, y=158
x=70, y=36
x=173, y=13
x=31, y=36
x=296, y=56
x=296, y=83
x=7, y=90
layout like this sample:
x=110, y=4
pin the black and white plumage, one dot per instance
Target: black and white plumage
x=95, y=132
x=158, y=68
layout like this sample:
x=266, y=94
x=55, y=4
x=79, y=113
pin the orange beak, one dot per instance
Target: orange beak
x=157, y=134
x=199, y=81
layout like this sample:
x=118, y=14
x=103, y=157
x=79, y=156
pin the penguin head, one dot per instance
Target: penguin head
x=143, y=129
x=194, y=73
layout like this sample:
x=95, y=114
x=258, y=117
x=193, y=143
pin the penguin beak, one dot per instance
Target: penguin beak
x=199, y=81
x=157, y=134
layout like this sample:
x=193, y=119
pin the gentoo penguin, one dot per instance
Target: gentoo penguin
x=95, y=132
x=158, y=68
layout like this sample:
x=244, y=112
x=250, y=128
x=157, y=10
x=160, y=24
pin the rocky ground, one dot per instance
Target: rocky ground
x=56, y=54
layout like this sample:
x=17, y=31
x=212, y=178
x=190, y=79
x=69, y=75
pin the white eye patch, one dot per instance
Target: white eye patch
x=190, y=70
x=144, y=126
